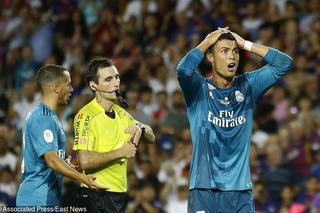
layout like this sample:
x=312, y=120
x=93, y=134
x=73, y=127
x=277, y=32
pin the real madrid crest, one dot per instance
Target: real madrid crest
x=239, y=96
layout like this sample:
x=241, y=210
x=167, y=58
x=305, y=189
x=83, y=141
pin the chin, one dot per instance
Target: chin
x=64, y=102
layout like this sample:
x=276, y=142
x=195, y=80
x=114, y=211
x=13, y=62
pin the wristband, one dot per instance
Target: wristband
x=247, y=45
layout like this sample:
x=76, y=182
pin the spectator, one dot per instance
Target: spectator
x=26, y=67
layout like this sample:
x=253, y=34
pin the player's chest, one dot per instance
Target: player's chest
x=233, y=99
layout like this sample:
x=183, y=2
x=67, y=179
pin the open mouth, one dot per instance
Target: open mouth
x=231, y=66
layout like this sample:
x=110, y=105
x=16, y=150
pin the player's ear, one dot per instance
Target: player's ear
x=209, y=56
x=56, y=88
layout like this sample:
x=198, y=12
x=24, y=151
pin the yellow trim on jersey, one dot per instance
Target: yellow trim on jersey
x=95, y=131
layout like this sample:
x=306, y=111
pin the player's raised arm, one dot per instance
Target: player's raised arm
x=281, y=61
x=278, y=64
x=211, y=39
x=189, y=79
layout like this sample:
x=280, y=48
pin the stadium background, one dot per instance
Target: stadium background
x=146, y=39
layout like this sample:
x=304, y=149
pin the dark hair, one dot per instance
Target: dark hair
x=227, y=36
x=49, y=73
x=94, y=65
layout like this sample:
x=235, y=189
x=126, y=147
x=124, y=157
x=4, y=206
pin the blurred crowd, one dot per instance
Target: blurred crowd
x=146, y=39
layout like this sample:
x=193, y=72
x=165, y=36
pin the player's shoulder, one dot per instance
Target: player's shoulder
x=40, y=112
x=41, y=116
x=242, y=76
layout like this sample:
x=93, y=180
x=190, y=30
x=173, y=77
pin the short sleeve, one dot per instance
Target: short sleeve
x=43, y=134
x=84, y=136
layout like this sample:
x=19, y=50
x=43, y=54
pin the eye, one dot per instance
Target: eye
x=108, y=79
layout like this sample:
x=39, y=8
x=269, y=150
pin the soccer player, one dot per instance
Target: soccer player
x=220, y=112
x=105, y=137
x=43, y=148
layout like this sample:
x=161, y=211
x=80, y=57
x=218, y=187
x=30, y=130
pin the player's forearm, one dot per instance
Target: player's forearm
x=59, y=165
x=204, y=45
x=279, y=60
x=93, y=160
x=260, y=50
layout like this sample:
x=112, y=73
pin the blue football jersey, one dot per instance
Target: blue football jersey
x=42, y=132
x=221, y=120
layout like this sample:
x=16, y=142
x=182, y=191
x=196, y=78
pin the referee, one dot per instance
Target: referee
x=105, y=137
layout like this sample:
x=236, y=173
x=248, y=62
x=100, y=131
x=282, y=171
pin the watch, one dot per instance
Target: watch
x=141, y=126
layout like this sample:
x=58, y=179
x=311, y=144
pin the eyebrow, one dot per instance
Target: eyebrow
x=111, y=76
x=229, y=48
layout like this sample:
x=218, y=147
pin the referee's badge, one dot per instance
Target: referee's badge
x=239, y=96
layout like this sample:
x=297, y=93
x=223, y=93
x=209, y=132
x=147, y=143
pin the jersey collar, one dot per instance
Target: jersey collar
x=97, y=105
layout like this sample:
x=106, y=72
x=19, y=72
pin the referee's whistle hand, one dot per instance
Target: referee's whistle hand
x=90, y=181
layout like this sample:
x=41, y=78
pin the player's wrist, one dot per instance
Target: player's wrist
x=82, y=178
x=247, y=45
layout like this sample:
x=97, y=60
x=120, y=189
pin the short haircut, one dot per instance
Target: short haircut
x=227, y=36
x=94, y=65
x=49, y=73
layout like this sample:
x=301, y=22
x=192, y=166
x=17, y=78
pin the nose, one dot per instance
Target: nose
x=232, y=55
x=117, y=84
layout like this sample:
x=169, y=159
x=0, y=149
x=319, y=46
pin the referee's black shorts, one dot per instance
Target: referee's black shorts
x=103, y=201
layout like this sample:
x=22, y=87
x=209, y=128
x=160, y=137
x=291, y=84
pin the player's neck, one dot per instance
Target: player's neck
x=221, y=81
x=50, y=101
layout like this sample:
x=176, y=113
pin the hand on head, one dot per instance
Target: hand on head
x=214, y=36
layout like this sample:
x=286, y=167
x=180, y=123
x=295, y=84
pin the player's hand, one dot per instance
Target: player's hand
x=90, y=181
x=135, y=133
x=240, y=41
x=213, y=36
x=129, y=150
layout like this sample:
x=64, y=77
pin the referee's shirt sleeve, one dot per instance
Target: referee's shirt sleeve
x=84, y=136
x=44, y=135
